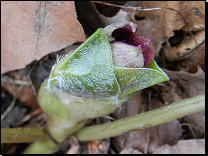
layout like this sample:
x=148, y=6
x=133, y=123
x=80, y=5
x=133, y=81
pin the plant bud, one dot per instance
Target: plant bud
x=125, y=34
x=125, y=55
x=146, y=45
x=99, y=75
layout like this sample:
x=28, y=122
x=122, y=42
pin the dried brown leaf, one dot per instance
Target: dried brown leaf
x=97, y=146
x=185, y=84
x=30, y=30
x=197, y=124
x=185, y=48
x=26, y=95
x=196, y=146
x=130, y=151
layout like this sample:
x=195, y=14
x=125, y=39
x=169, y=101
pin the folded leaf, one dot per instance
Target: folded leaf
x=133, y=79
x=88, y=71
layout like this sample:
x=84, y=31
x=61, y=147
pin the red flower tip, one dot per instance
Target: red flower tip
x=127, y=35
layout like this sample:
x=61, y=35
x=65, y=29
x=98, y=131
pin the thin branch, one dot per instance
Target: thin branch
x=128, y=7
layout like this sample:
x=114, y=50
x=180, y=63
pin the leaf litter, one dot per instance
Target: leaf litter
x=187, y=81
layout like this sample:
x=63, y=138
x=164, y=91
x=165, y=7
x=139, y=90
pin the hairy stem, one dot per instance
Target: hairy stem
x=145, y=120
x=22, y=135
x=47, y=145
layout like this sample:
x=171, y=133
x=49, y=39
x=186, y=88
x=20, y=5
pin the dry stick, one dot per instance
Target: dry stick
x=128, y=7
x=28, y=117
x=7, y=80
x=149, y=9
x=12, y=103
x=75, y=146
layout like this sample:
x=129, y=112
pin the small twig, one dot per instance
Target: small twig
x=185, y=25
x=190, y=128
x=108, y=117
x=21, y=82
x=29, y=116
x=148, y=141
x=73, y=149
x=187, y=124
x=75, y=146
x=128, y=7
x=88, y=123
x=6, y=79
x=12, y=103
x=111, y=151
x=42, y=123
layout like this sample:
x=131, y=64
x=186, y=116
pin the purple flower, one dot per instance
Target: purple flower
x=129, y=50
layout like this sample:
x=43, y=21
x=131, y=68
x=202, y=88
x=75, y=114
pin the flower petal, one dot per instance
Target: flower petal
x=147, y=47
x=125, y=55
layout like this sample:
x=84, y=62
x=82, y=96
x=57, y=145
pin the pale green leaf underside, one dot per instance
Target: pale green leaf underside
x=133, y=79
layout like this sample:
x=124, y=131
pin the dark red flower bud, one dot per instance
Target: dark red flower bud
x=126, y=55
x=146, y=45
x=126, y=34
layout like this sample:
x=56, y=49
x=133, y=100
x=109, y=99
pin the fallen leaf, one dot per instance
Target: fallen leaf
x=98, y=146
x=27, y=94
x=17, y=112
x=196, y=146
x=109, y=11
x=120, y=17
x=197, y=123
x=74, y=146
x=185, y=48
x=30, y=30
x=130, y=151
x=189, y=63
x=185, y=84
x=73, y=149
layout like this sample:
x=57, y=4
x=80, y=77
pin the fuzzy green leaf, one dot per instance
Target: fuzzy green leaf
x=133, y=79
x=88, y=71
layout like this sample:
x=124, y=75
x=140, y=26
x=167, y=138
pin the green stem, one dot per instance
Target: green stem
x=47, y=146
x=19, y=135
x=145, y=120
